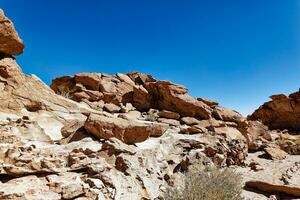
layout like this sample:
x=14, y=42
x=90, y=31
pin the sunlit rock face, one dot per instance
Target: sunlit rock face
x=283, y=112
x=10, y=41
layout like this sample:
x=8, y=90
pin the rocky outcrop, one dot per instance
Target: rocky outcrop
x=22, y=95
x=26, y=96
x=96, y=89
x=125, y=136
x=173, y=97
x=19, y=91
x=283, y=112
x=141, y=90
x=10, y=41
x=275, y=153
x=256, y=134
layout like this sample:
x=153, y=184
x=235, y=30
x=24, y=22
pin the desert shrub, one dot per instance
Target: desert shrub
x=209, y=184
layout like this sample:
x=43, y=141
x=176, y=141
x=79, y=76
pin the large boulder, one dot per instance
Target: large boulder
x=128, y=131
x=168, y=114
x=89, y=80
x=173, y=97
x=10, y=42
x=256, y=134
x=140, y=78
x=226, y=114
x=283, y=112
x=275, y=153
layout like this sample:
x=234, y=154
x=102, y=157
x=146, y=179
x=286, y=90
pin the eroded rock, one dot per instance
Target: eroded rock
x=10, y=42
x=282, y=112
x=127, y=131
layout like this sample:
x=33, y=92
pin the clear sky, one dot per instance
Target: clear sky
x=237, y=52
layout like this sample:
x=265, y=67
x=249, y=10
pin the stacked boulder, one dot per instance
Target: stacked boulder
x=139, y=106
x=140, y=90
x=137, y=91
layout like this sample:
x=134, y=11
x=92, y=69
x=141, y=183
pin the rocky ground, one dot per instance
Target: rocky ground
x=130, y=136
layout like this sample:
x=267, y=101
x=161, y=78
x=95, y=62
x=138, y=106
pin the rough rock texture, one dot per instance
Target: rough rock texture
x=128, y=131
x=168, y=114
x=126, y=136
x=283, y=112
x=28, y=96
x=36, y=163
x=175, y=98
x=141, y=90
x=19, y=91
x=10, y=41
x=275, y=153
x=256, y=133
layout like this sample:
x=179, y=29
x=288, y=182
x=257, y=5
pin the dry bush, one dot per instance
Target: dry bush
x=210, y=184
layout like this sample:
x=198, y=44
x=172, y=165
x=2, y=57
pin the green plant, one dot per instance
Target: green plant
x=209, y=184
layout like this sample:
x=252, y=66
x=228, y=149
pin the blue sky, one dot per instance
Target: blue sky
x=236, y=52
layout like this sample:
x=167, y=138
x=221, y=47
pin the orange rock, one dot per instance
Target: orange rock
x=10, y=42
x=283, y=112
x=173, y=97
x=168, y=114
x=274, y=188
x=125, y=130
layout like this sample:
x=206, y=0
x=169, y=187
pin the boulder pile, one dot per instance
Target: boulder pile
x=142, y=91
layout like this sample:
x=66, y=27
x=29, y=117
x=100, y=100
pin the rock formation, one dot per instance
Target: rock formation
x=141, y=90
x=283, y=112
x=271, y=188
x=124, y=136
x=127, y=131
x=10, y=41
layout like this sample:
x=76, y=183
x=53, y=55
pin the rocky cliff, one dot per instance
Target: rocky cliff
x=124, y=136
